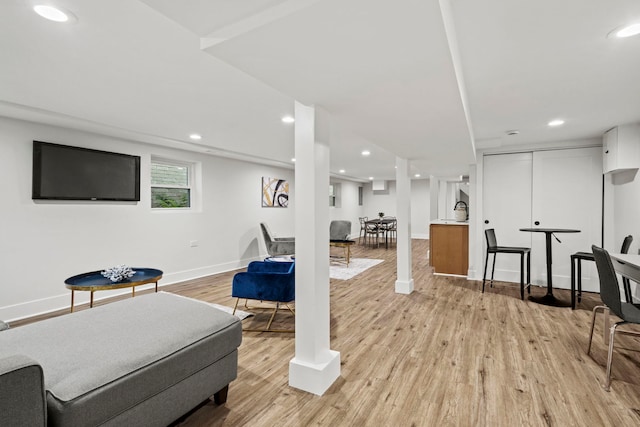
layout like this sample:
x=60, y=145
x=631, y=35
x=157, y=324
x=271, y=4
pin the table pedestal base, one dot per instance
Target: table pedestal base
x=549, y=299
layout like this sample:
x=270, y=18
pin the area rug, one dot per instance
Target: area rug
x=340, y=271
x=239, y=313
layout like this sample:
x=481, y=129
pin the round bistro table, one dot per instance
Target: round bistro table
x=95, y=281
x=549, y=298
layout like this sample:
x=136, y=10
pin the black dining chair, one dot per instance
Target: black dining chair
x=372, y=228
x=493, y=248
x=391, y=228
x=610, y=295
x=363, y=228
x=576, y=261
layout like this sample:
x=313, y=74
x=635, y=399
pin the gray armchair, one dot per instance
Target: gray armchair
x=339, y=230
x=277, y=246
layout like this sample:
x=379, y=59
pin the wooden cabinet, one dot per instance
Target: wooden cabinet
x=621, y=148
x=449, y=248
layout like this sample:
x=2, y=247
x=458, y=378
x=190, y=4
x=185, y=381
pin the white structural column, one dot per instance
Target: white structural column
x=404, y=282
x=315, y=366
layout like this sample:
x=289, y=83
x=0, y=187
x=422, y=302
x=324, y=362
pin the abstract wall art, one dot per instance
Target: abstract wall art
x=275, y=193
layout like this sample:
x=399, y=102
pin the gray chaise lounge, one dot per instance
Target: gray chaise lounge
x=144, y=361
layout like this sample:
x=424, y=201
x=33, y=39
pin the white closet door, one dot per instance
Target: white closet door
x=507, y=181
x=567, y=193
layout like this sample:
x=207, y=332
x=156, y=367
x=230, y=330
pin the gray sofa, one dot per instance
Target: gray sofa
x=143, y=361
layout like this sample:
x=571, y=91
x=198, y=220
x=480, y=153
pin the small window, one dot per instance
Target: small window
x=360, y=196
x=332, y=196
x=170, y=184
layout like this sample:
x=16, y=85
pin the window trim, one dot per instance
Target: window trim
x=191, y=179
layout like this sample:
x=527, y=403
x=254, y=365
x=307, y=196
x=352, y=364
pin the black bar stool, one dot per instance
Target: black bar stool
x=578, y=257
x=493, y=248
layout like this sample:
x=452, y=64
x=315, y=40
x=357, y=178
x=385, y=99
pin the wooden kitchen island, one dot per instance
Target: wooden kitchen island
x=449, y=247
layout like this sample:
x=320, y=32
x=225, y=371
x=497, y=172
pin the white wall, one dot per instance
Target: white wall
x=347, y=207
x=43, y=243
x=623, y=189
x=385, y=201
x=420, y=206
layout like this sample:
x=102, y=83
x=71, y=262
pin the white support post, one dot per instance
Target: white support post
x=315, y=366
x=404, y=282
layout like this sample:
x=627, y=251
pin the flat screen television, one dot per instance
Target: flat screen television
x=64, y=172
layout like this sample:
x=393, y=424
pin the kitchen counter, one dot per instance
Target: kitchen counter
x=449, y=222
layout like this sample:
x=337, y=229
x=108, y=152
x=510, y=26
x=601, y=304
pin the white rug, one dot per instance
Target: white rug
x=340, y=271
x=239, y=313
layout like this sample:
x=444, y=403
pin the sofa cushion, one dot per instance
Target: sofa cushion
x=83, y=352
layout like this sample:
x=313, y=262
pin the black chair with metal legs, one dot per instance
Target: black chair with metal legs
x=610, y=295
x=493, y=248
x=576, y=261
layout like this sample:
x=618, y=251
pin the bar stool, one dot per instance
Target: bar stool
x=578, y=257
x=493, y=248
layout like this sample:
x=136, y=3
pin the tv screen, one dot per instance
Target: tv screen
x=63, y=172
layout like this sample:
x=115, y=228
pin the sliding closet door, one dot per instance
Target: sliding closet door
x=567, y=193
x=507, y=180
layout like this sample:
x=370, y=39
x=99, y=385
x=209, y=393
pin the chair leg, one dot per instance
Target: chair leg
x=579, y=279
x=529, y=272
x=522, y=276
x=493, y=269
x=275, y=310
x=484, y=276
x=573, y=283
x=593, y=322
x=607, y=380
x=235, y=307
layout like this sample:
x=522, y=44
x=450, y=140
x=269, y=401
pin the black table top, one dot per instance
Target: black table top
x=380, y=221
x=550, y=230
x=95, y=278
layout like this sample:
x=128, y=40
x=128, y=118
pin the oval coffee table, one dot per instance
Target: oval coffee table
x=95, y=281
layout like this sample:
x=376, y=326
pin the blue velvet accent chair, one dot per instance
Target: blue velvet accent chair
x=266, y=281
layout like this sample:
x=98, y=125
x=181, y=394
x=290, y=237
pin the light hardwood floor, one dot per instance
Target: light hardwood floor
x=446, y=355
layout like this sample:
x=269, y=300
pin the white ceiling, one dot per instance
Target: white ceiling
x=425, y=80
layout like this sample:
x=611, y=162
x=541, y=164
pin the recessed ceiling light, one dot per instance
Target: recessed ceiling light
x=371, y=178
x=556, y=122
x=626, y=31
x=195, y=137
x=288, y=119
x=293, y=159
x=342, y=171
x=417, y=175
x=366, y=152
x=53, y=13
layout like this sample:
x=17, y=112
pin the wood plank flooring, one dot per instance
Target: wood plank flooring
x=446, y=355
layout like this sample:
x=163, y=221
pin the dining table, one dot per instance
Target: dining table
x=381, y=225
x=549, y=298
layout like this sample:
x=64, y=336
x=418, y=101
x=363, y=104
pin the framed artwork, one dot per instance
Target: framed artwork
x=275, y=193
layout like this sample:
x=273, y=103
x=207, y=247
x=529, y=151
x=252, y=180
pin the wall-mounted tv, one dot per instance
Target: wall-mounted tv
x=63, y=172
